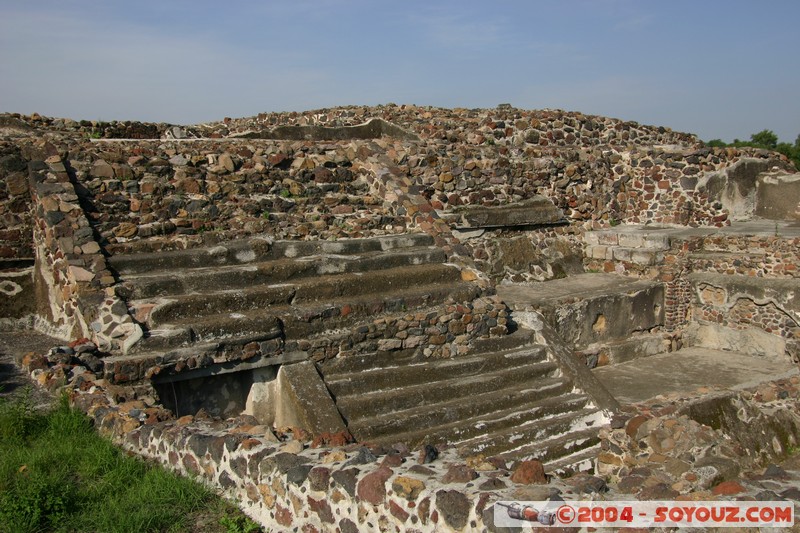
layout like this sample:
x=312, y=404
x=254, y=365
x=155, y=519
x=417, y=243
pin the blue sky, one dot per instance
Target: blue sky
x=720, y=69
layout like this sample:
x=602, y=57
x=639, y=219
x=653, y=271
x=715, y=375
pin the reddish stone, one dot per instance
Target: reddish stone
x=276, y=159
x=392, y=460
x=250, y=443
x=372, y=487
x=423, y=510
x=459, y=474
x=727, y=488
x=190, y=463
x=397, y=511
x=322, y=508
x=529, y=472
x=78, y=342
x=283, y=516
x=634, y=424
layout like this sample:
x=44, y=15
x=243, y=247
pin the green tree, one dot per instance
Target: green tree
x=765, y=138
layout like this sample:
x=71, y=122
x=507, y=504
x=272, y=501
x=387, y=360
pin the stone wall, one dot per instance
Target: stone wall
x=152, y=195
x=16, y=227
x=441, y=331
x=292, y=482
x=738, y=282
x=73, y=283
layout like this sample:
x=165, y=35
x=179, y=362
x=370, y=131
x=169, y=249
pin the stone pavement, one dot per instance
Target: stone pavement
x=686, y=371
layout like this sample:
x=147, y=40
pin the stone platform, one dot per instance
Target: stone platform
x=686, y=371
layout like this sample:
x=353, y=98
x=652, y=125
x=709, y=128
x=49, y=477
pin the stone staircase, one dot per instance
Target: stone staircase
x=249, y=297
x=508, y=399
x=237, y=305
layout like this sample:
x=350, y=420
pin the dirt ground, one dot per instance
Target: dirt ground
x=13, y=345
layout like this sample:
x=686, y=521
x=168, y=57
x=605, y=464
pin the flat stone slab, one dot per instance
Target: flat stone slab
x=536, y=211
x=754, y=227
x=687, y=370
x=583, y=286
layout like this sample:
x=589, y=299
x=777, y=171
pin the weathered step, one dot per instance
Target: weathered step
x=591, y=308
x=315, y=318
x=582, y=460
x=387, y=378
x=341, y=366
x=215, y=278
x=200, y=359
x=235, y=328
x=396, y=400
x=639, y=256
x=196, y=306
x=632, y=237
x=302, y=321
x=458, y=420
x=530, y=439
x=256, y=250
x=186, y=306
x=559, y=448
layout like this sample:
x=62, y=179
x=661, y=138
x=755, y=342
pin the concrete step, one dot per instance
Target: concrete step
x=256, y=250
x=308, y=290
x=400, y=375
x=565, y=431
x=430, y=392
x=230, y=277
x=458, y=420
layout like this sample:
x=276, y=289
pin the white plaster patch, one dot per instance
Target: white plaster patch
x=245, y=256
x=332, y=247
x=9, y=288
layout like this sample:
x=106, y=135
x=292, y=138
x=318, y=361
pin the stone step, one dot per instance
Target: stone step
x=425, y=392
x=365, y=362
x=186, y=306
x=633, y=237
x=457, y=420
x=302, y=321
x=258, y=250
x=392, y=377
x=639, y=256
x=591, y=308
x=569, y=430
x=229, y=277
x=234, y=329
x=581, y=460
x=558, y=447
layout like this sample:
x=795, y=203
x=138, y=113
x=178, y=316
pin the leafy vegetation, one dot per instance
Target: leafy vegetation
x=57, y=474
x=768, y=140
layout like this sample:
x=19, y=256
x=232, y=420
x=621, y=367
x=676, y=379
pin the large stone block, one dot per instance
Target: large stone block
x=778, y=196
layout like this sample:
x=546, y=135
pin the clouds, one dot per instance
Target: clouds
x=713, y=68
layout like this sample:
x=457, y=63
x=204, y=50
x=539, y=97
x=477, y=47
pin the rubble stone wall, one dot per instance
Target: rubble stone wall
x=445, y=331
x=16, y=225
x=761, y=259
x=78, y=299
x=287, y=485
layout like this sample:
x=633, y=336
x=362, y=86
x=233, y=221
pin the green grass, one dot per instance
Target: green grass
x=57, y=474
